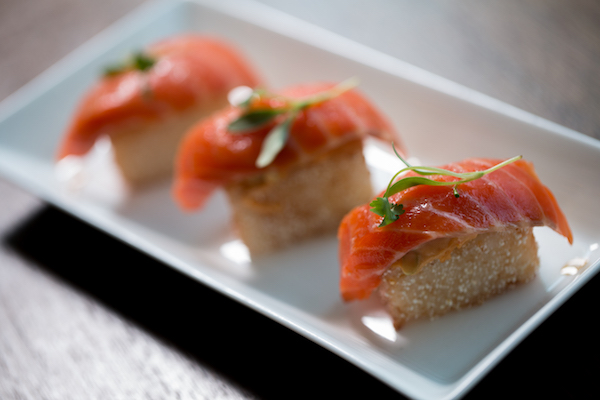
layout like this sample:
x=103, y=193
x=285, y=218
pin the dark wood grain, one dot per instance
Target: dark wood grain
x=84, y=316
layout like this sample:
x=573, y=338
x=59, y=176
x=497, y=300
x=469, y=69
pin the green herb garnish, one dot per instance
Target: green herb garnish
x=390, y=211
x=255, y=117
x=139, y=61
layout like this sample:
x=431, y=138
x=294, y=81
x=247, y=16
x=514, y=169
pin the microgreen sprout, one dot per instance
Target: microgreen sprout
x=391, y=212
x=139, y=61
x=257, y=116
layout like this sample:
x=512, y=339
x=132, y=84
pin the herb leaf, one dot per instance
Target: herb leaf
x=254, y=119
x=142, y=61
x=274, y=142
x=139, y=61
x=411, y=181
x=390, y=212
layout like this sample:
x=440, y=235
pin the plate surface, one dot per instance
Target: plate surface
x=440, y=122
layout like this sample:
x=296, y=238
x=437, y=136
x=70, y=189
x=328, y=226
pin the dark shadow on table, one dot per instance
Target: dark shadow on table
x=267, y=359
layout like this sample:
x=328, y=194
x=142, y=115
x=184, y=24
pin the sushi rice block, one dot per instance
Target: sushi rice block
x=146, y=104
x=443, y=252
x=291, y=162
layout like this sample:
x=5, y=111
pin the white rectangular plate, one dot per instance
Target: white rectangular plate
x=440, y=122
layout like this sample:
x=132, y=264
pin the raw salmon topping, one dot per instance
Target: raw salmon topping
x=169, y=77
x=512, y=196
x=212, y=155
x=261, y=108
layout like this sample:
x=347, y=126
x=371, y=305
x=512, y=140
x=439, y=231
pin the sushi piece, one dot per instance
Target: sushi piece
x=146, y=104
x=431, y=248
x=291, y=162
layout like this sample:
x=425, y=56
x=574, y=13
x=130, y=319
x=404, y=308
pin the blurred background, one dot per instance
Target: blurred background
x=539, y=55
x=107, y=333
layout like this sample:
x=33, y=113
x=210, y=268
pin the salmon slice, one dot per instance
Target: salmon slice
x=189, y=71
x=210, y=156
x=511, y=197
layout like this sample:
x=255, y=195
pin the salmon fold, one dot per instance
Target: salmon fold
x=186, y=71
x=509, y=197
x=211, y=156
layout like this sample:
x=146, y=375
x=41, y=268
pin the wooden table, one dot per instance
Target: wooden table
x=122, y=325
